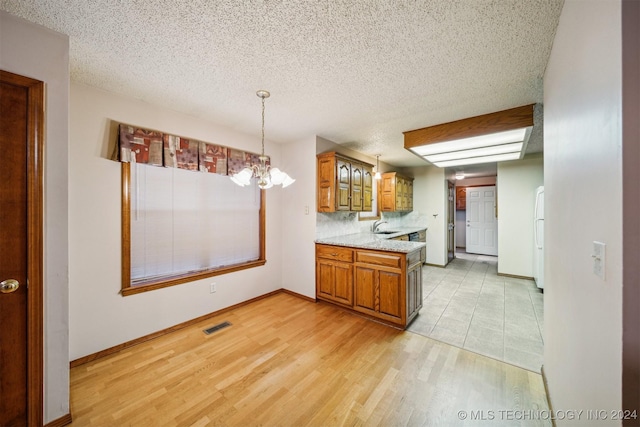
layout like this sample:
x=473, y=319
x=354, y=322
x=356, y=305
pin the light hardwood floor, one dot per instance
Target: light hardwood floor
x=289, y=362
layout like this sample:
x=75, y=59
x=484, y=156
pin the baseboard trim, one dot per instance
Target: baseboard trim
x=515, y=276
x=546, y=392
x=64, y=420
x=435, y=265
x=297, y=295
x=125, y=345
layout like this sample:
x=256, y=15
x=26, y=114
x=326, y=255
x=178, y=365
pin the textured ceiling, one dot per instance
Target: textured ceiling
x=357, y=72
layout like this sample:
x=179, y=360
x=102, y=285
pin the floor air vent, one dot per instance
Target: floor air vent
x=213, y=329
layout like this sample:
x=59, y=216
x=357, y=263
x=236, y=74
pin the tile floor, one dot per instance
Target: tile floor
x=469, y=306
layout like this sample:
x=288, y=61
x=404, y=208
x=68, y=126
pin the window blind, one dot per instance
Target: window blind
x=184, y=222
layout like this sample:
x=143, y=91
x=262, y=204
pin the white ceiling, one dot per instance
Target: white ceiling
x=357, y=72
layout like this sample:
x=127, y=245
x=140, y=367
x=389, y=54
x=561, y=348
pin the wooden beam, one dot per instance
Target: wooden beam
x=514, y=118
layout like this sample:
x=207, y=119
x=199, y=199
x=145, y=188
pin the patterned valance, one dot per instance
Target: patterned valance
x=138, y=145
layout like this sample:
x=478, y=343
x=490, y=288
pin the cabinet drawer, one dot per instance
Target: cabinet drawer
x=379, y=259
x=334, y=252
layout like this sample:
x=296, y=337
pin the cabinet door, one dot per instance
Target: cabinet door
x=356, y=187
x=326, y=176
x=325, y=279
x=399, y=194
x=410, y=195
x=367, y=189
x=343, y=291
x=343, y=185
x=391, y=301
x=387, y=192
x=334, y=281
x=365, y=290
x=414, y=289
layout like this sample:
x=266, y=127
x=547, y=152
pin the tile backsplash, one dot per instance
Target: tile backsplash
x=342, y=223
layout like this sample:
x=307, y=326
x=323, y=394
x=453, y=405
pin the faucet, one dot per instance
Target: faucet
x=377, y=224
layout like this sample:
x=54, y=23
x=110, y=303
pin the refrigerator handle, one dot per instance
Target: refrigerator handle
x=535, y=221
x=535, y=232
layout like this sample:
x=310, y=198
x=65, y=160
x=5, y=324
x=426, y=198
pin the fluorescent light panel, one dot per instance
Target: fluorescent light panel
x=514, y=147
x=477, y=160
x=498, y=138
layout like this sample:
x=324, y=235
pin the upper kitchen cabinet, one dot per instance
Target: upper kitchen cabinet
x=344, y=184
x=396, y=193
x=461, y=198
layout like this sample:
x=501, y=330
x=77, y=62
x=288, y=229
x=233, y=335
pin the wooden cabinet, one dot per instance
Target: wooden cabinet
x=396, y=193
x=384, y=285
x=461, y=198
x=334, y=274
x=344, y=184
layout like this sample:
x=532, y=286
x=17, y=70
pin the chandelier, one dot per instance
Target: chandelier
x=266, y=175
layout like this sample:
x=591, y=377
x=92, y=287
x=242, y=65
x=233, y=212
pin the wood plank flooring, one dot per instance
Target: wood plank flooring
x=289, y=362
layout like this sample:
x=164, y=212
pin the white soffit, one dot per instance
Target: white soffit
x=357, y=72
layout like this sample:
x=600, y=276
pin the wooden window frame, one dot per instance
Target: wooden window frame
x=176, y=279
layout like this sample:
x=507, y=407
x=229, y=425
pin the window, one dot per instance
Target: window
x=179, y=226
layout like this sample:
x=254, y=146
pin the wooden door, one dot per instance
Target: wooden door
x=325, y=279
x=367, y=189
x=326, y=178
x=343, y=292
x=21, y=141
x=365, y=290
x=356, y=187
x=482, y=228
x=390, y=294
x=343, y=185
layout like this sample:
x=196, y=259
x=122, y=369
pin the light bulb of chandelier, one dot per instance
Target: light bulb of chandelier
x=287, y=181
x=277, y=176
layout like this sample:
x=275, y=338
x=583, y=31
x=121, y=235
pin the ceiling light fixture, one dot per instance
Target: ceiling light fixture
x=459, y=176
x=377, y=174
x=492, y=137
x=266, y=175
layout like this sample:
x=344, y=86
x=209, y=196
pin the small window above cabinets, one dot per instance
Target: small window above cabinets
x=344, y=184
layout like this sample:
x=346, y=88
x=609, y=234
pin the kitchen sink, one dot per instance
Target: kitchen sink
x=386, y=232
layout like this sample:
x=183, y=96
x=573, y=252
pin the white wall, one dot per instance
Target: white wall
x=583, y=203
x=299, y=218
x=429, y=199
x=517, y=183
x=36, y=52
x=99, y=316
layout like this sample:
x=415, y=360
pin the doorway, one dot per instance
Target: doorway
x=21, y=344
x=451, y=224
x=481, y=222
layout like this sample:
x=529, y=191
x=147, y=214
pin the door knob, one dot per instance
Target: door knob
x=9, y=285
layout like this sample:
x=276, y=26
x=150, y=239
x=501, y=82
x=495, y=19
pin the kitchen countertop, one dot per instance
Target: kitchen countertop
x=381, y=242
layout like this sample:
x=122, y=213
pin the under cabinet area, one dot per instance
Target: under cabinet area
x=343, y=184
x=396, y=193
x=383, y=285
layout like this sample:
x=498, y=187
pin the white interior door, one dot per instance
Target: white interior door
x=482, y=227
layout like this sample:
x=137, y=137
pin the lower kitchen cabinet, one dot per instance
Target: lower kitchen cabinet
x=334, y=278
x=380, y=284
x=378, y=293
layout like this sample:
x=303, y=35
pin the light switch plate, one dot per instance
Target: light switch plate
x=599, y=257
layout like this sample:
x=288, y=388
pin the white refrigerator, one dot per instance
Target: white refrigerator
x=538, y=234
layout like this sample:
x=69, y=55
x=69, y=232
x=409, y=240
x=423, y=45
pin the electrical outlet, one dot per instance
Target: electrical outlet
x=598, y=256
x=212, y=288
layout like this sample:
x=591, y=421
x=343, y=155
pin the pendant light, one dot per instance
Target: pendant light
x=377, y=175
x=266, y=175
